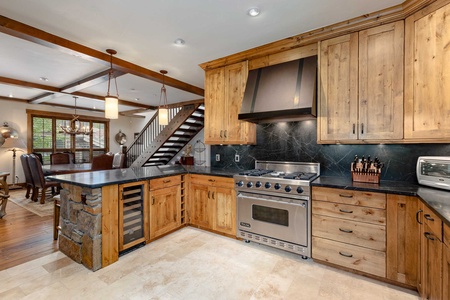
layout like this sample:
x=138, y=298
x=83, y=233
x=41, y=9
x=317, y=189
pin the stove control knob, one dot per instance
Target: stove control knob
x=277, y=186
x=299, y=190
x=258, y=184
x=249, y=184
x=288, y=188
x=267, y=185
x=240, y=183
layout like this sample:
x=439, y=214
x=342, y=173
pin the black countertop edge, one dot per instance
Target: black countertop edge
x=436, y=199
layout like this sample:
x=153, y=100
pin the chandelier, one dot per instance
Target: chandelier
x=75, y=125
x=163, y=110
x=111, y=102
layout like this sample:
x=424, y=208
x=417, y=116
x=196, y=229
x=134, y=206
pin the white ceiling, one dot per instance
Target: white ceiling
x=143, y=33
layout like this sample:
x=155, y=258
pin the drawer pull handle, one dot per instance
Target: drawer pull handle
x=153, y=200
x=166, y=181
x=345, y=254
x=221, y=133
x=346, y=230
x=429, y=236
x=211, y=180
x=209, y=194
x=345, y=196
x=346, y=211
x=428, y=217
x=417, y=216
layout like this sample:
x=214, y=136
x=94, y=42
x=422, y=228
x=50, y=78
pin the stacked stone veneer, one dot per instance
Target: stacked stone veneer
x=81, y=225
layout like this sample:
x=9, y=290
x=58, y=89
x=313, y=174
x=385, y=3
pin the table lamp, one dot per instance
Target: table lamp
x=14, y=145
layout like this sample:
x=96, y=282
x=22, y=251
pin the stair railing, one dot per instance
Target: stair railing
x=148, y=134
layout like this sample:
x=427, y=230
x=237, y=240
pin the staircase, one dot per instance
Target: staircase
x=157, y=144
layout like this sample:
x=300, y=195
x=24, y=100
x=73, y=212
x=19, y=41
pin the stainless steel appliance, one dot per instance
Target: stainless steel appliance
x=434, y=171
x=274, y=204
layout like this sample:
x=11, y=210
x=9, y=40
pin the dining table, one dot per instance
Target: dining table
x=66, y=168
x=4, y=193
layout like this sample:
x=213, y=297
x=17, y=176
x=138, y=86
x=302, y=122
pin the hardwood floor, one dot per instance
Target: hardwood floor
x=24, y=236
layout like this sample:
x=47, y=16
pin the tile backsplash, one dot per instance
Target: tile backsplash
x=297, y=141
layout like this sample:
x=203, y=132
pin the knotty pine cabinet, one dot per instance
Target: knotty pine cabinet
x=361, y=86
x=431, y=256
x=213, y=203
x=349, y=229
x=224, y=92
x=403, y=239
x=427, y=74
x=165, y=205
x=133, y=214
x=446, y=263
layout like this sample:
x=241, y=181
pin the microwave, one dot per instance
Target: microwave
x=434, y=171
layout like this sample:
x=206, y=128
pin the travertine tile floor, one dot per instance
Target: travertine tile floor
x=192, y=264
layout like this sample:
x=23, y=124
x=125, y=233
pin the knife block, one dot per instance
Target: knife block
x=373, y=177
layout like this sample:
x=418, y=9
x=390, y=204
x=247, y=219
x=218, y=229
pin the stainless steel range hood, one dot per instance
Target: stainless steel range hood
x=283, y=92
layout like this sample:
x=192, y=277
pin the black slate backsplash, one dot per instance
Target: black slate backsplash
x=297, y=141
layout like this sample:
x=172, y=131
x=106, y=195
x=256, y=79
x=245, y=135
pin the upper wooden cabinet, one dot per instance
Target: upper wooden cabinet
x=427, y=75
x=224, y=91
x=361, y=86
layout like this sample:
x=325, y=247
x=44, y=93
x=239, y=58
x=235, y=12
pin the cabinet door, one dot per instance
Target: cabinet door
x=403, y=239
x=338, y=88
x=431, y=271
x=381, y=82
x=225, y=210
x=214, y=105
x=164, y=210
x=427, y=74
x=201, y=206
x=446, y=264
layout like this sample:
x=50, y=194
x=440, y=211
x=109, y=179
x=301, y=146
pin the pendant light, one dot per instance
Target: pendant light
x=111, y=102
x=163, y=110
x=75, y=125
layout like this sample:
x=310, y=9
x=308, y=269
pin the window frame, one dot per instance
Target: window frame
x=62, y=116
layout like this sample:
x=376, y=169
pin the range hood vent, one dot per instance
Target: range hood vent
x=283, y=92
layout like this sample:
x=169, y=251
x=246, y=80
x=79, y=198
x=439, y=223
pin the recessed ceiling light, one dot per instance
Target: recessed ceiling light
x=179, y=42
x=43, y=78
x=10, y=95
x=254, y=11
x=136, y=99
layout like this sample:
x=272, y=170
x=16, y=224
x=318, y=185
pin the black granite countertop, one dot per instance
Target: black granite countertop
x=438, y=200
x=98, y=179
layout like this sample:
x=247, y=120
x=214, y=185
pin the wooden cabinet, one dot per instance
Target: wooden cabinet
x=213, y=203
x=224, y=92
x=427, y=74
x=133, y=215
x=361, y=85
x=403, y=239
x=446, y=263
x=165, y=205
x=349, y=229
x=430, y=255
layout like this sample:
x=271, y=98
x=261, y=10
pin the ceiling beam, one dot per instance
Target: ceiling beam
x=52, y=89
x=32, y=34
x=90, y=81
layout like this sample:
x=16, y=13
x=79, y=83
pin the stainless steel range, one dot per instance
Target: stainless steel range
x=274, y=204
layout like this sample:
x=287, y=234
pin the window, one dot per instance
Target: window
x=47, y=137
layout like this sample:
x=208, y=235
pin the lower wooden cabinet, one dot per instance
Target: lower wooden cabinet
x=446, y=263
x=213, y=203
x=165, y=205
x=403, y=239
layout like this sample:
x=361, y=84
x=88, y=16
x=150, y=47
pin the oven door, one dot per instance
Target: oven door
x=276, y=217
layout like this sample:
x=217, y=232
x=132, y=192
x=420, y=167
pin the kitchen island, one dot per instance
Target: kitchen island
x=90, y=208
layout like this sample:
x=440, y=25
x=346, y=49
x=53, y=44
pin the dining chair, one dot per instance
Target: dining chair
x=60, y=158
x=39, y=179
x=118, y=161
x=102, y=162
x=28, y=177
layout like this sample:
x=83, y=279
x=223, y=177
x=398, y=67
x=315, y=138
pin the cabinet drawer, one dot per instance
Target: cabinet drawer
x=375, y=200
x=350, y=212
x=213, y=181
x=350, y=232
x=353, y=257
x=433, y=221
x=164, y=182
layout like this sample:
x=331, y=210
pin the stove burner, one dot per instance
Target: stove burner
x=255, y=172
x=300, y=176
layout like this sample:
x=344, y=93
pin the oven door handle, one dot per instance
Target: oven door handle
x=298, y=202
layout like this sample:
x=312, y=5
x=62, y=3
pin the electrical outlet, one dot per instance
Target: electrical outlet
x=236, y=157
x=217, y=157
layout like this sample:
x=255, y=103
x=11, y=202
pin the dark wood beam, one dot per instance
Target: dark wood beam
x=32, y=34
